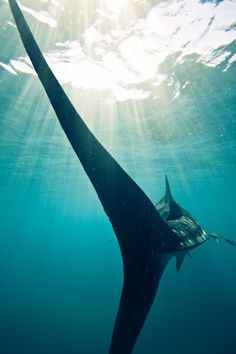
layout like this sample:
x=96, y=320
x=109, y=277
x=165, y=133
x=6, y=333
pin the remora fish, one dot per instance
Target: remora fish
x=148, y=236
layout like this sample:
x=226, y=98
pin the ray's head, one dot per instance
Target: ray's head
x=181, y=222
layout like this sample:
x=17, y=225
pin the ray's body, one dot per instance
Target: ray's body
x=148, y=237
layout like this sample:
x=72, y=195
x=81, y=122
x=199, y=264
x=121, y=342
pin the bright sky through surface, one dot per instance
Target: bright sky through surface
x=121, y=50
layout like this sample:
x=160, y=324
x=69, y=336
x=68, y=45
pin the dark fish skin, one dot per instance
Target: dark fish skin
x=148, y=237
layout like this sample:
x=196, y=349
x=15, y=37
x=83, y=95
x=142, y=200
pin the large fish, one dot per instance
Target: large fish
x=148, y=236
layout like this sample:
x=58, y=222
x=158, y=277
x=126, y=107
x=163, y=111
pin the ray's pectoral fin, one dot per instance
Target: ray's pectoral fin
x=140, y=286
x=140, y=229
x=175, y=211
x=125, y=203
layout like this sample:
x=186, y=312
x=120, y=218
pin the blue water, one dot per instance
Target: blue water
x=60, y=264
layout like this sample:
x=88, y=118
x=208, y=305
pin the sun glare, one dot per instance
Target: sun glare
x=124, y=64
x=115, y=6
x=122, y=56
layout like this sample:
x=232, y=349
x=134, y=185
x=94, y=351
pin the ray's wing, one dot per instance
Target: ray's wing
x=123, y=200
x=140, y=230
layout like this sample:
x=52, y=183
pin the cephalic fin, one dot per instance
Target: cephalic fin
x=179, y=260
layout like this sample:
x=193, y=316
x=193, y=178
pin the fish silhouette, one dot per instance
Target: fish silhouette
x=148, y=235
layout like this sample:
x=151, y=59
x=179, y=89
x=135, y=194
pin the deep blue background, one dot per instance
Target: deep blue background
x=60, y=265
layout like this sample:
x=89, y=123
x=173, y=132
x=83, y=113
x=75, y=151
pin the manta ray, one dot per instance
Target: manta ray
x=148, y=235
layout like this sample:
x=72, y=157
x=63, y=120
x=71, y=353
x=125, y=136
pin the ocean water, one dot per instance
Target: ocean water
x=156, y=83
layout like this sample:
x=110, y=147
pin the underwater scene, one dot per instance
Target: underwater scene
x=155, y=82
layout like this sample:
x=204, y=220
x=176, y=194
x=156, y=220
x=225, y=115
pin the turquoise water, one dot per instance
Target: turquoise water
x=61, y=269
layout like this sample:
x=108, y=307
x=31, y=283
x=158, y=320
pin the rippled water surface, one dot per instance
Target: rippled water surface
x=156, y=83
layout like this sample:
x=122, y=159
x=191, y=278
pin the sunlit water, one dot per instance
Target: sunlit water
x=155, y=81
